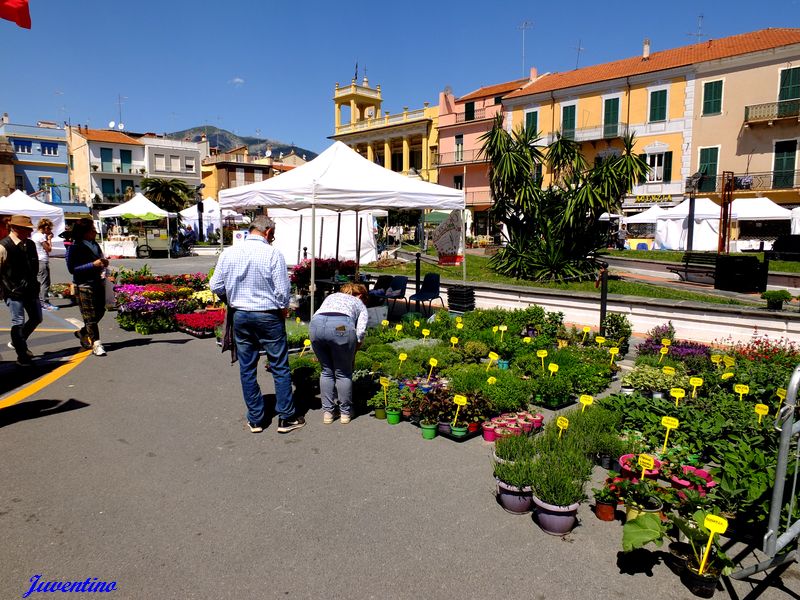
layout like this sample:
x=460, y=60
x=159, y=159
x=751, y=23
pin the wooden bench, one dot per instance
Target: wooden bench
x=702, y=264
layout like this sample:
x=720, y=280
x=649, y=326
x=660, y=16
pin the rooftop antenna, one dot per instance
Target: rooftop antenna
x=524, y=26
x=355, y=77
x=119, y=124
x=579, y=49
x=699, y=35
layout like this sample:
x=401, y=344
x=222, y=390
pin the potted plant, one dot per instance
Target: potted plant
x=510, y=449
x=605, y=502
x=640, y=497
x=776, y=298
x=429, y=428
x=379, y=402
x=514, y=485
x=717, y=564
x=394, y=408
x=459, y=429
x=95, y=167
x=559, y=478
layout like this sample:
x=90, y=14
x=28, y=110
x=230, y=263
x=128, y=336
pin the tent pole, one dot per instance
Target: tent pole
x=169, y=241
x=360, y=228
x=464, y=245
x=300, y=239
x=338, y=229
x=312, y=286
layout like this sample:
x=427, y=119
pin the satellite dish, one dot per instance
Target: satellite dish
x=121, y=126
x=268, y=153
x=111, y=124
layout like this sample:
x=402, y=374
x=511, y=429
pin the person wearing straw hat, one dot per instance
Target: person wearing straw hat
x=19, y=266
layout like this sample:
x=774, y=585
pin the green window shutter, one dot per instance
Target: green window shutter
x=667, y=167
x=106, y=160
x=568, y=121
x=469, y=111
x=708, y=166
x=611, y=118
x=643, y=178
x=712, y=98
x=783, y=169
x=532, y=121
x=658, y=106
x=790, y=84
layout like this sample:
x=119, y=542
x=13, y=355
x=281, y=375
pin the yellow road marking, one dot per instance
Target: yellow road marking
x=45, y=380
x=38, y=329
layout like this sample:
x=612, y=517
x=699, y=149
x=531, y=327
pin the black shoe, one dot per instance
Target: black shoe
x=24, y=361
x=287, y=425
x=86, y=344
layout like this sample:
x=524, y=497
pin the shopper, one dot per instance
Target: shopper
x=252, y=279
x=336, y=331
x=622, y=237
x=19, y=265
x=43, y=238
x=88, y=266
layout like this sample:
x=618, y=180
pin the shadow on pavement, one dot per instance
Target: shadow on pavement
x=140, y=342
x=36, y=409
x=12, y=376
x=638, y=561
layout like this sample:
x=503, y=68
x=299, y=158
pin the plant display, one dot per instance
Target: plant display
x=618, y=329
x=777, y=295
x=515, y=448
x=201, y=323
x=520, y=474
x=560, y=476
x=325, y=268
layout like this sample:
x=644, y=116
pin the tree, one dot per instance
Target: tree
x=171, y=195
x=553, y=231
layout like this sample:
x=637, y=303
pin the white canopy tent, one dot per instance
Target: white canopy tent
x=341, y=179
x=796, y=221
x=672, y=226
x=759, y=209
x=607, y=217
x=293, y=233
x=139, y=207
x=212, y=216
x=648, y=216
x=19, y=203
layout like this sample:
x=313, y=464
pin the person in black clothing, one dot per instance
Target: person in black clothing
x=87, y=264
x=19, y=266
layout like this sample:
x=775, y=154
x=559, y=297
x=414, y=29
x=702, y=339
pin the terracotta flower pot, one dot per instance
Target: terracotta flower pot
x=604, y=511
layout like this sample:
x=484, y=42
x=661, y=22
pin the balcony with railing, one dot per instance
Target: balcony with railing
x=772, y=111
x=607, y=131
x=232, y=158
x=459, y=157
x=477, y=114
x=769, y=180
x=478, y=198
x=116, y=168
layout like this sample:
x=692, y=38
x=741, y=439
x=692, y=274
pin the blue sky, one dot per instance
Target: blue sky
x=269, y=69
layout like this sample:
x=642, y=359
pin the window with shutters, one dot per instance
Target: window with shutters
x=190, y=165
x=712, y=97
x=258, y=175
x=469, y=111
x=790, y=84
x=239, y=176
x=458, y=182
x=568, y=121
x=660, y=167
x=658, y=106
x=459, y=148
x=23, y=146
x=532, y=120
x=784, y=165
x=611, y=117
x=175, y=164
x=709, y=159
x=161, y=162
x=49, y=149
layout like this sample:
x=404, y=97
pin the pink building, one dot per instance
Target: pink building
x=462, y=122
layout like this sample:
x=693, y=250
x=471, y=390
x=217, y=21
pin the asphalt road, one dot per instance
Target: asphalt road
x=137, y=468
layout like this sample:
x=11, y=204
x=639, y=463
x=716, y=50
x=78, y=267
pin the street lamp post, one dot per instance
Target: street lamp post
x=198, y=196
x=692, y=185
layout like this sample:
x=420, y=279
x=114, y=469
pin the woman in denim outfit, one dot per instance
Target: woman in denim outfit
x=336, y=331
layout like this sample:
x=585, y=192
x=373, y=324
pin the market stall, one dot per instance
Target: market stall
x=757, y=222
x=19, y=203
x=213, y=217
x=341, y=179
x=642, y=227
x=672, y=226
x=149, y=238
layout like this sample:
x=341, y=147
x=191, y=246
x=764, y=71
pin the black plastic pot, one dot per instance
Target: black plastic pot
x=703, y=585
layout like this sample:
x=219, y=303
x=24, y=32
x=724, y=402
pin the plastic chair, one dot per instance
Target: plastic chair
x=382, y=283
x=429, y=291
x=642, y=246
x=397, y=291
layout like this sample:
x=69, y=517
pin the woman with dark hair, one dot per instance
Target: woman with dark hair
x=87, y=264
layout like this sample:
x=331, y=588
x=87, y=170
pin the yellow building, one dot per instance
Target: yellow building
x=405, y=142
x=230, y=169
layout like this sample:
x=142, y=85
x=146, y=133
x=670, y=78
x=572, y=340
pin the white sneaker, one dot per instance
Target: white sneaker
x=327, y=418
x=344, y=419
x=98, y=349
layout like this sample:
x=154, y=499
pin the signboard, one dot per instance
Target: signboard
x=448, y=238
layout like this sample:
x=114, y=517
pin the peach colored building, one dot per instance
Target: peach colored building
x=462, y=122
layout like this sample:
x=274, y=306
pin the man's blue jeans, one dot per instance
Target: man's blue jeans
x=20, y=328
x=255, y=331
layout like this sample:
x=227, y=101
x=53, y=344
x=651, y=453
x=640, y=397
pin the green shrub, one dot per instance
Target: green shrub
x=515, y=447
x=474, y=350
x=519, y=474
x=618, y=330
x=509, y=393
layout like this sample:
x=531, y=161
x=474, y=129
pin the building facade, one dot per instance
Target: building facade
x=462, y=122
x=40, y=160
x=673, y=101
x=230, y=169
x=406, y=142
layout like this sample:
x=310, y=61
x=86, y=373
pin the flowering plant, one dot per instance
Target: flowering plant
x=325, y=269
x=201, y=321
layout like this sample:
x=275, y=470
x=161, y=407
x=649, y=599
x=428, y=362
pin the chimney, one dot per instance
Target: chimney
x=534, y=74
x=646, y=49
x=4, y=119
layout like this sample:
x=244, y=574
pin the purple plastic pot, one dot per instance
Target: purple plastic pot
x=555, y=520
x=514, y=499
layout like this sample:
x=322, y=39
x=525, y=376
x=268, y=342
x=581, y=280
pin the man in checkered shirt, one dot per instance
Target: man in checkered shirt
x=252, y=279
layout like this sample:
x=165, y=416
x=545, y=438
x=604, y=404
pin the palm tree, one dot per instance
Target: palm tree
x=172, y=195
x=553, y=231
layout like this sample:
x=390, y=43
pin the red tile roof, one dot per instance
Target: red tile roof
x=110, y=137
x=490, y=91
x=735, y=45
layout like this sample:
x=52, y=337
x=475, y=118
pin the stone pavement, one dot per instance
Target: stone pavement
x=137, y=468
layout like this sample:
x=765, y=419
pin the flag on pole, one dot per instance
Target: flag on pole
x=16, y=11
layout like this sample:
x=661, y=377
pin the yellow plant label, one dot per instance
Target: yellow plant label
x=646, y=461
x=495, y=329
x=761, y=410
x=385, y=323
x=402, y=356
x=727, y=375
x=741, y=389
x=666, y=342
x=669, y=422
x=433, y=362
x=526, y=340
x=664, y=350
x=715, y=524
x=460, y=400
x=493, y=356
x=541, y=353
x=781, y=393
x=613, y=351
x=426, y=332
x=587, y=329
x=459, y=319
x=729, y=361
x=384, y=381
x=297, y=320
x=586, y=400
x=416, y=324
x=492, y=380
x=454, y=340
x=306, y=343
x=398, y=327
x=503, y=327
x=459, y=326
x=716, y=358
x=553, y=368
x=562, y=422
x=668, y=370
x=677, y=393
x=600, y=340
x=695, y=381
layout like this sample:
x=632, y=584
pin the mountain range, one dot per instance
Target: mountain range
x=226, y=140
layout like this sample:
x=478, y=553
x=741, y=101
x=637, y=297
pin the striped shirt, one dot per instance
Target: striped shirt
x=349, y=306
x=253, y=276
